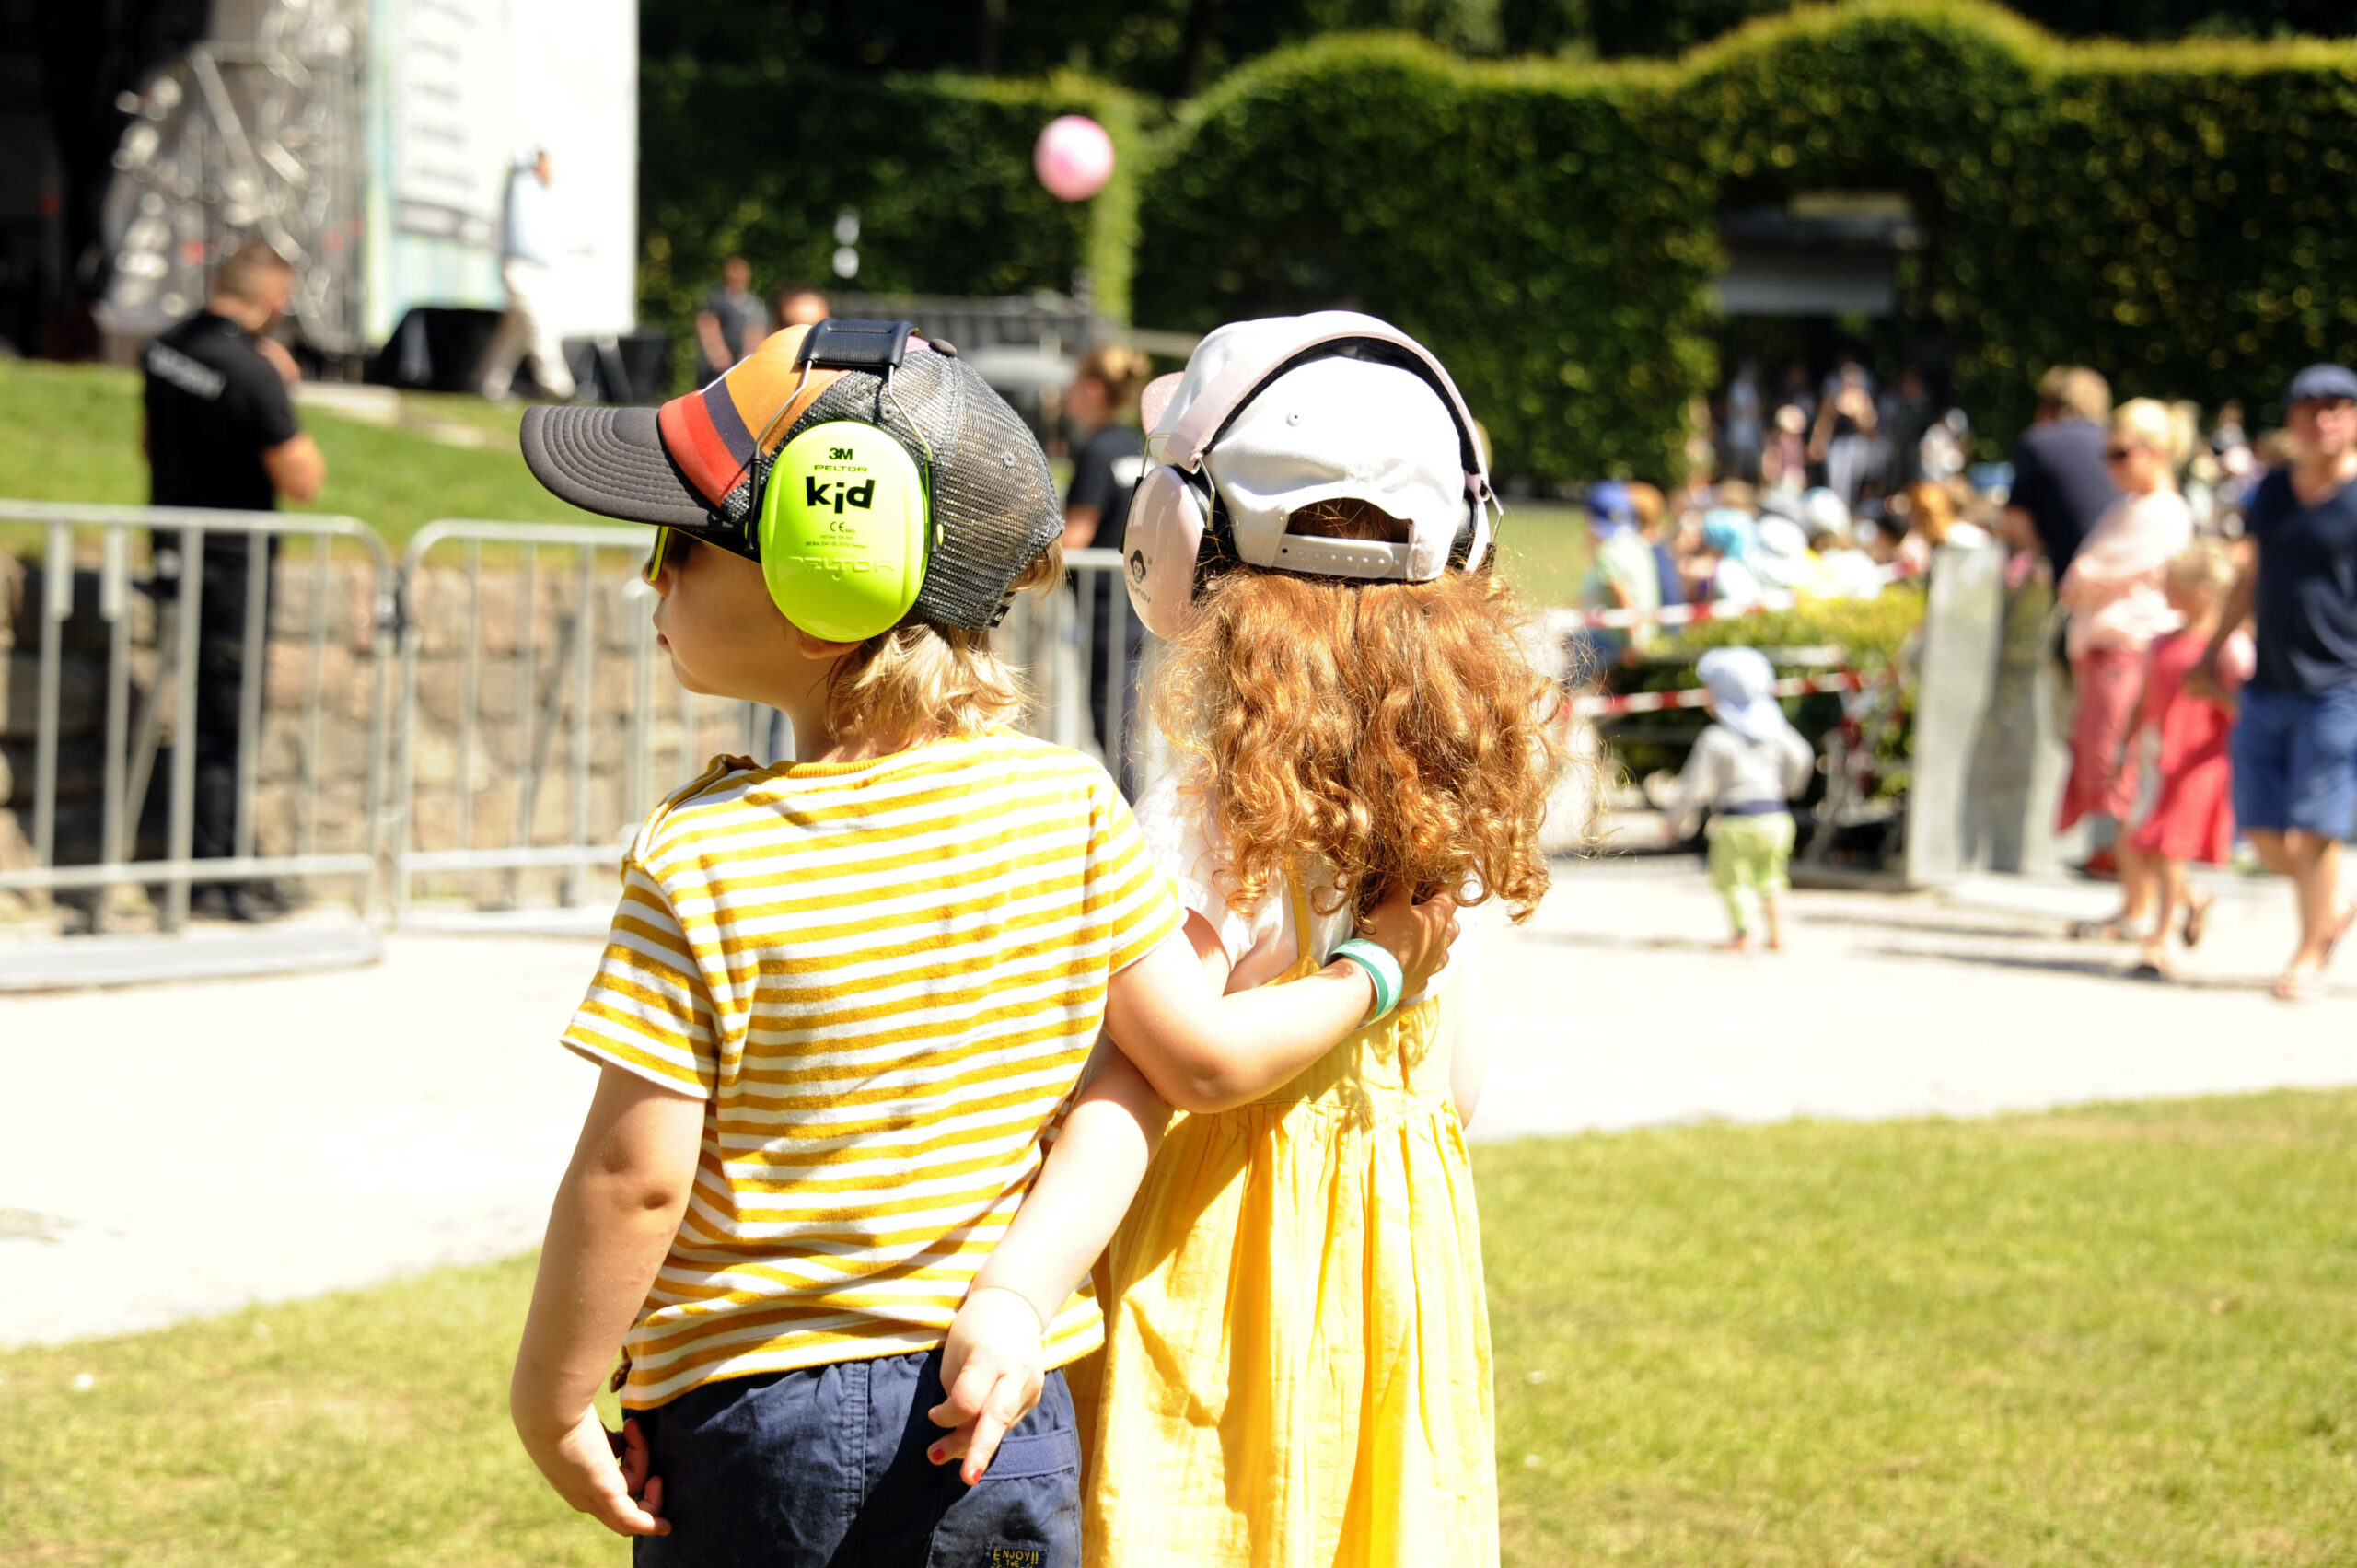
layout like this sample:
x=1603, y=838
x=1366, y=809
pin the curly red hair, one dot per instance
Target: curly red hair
x=1391, y=732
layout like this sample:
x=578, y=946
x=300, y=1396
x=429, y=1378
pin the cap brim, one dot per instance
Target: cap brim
x=1155, y=402
x=610, y=462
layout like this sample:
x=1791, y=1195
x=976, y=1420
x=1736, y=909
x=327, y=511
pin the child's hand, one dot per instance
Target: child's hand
x=603, y=1473
x=1417, y=934
x=992, y=1366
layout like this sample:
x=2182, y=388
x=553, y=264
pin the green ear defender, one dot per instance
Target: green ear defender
x=846, y=531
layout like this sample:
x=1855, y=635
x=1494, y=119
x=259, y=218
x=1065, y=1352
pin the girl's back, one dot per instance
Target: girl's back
x=1297, y=1364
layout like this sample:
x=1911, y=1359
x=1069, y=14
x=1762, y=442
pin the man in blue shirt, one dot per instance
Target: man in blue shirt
x=2295, y=742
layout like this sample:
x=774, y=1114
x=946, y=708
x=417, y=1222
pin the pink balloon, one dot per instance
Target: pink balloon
x=1073, y=158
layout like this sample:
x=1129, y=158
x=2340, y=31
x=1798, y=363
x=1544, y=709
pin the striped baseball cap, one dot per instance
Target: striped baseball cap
x=697, y=463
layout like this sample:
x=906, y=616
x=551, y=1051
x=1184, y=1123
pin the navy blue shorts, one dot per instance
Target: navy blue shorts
x=2296, y=762
x=825, y=1466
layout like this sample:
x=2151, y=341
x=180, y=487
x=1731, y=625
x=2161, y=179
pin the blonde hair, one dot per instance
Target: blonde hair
x=1390, y=732
x=2206, y=566
x=2075, y=389
x=2155, y=425
x=1119, y=369
x=929, y=683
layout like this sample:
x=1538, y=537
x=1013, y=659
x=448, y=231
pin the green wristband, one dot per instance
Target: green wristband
x=1381, y=969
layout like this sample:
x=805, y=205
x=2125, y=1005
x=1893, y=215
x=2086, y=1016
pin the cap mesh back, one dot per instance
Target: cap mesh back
x=994, y=502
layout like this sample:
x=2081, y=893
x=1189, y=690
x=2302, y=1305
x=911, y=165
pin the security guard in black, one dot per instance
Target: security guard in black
x=214, y=405
x=221, y=434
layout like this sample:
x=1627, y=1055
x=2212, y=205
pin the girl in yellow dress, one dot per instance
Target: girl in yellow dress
x=1296, y=1368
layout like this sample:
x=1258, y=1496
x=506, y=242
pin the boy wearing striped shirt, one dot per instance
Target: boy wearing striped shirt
x=845, y=998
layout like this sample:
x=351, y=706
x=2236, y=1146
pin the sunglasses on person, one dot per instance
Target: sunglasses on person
x=2117, y=454
x=672, y=546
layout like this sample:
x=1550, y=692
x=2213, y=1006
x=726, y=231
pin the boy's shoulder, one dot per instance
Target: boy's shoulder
x=736, y=794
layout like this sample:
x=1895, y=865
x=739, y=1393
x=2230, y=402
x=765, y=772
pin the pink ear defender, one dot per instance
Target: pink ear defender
x=1174, y=502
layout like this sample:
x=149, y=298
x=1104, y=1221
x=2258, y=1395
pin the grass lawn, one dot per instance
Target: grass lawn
x=74, y=435
x=2120, y=1335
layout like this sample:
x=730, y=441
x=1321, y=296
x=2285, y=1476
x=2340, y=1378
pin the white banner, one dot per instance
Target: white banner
x=447, y=100
x=465, y=89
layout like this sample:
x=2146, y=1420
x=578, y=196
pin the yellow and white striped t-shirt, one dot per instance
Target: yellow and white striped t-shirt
x=884, y=977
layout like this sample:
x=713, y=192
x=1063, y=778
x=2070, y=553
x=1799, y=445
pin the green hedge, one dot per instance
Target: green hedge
x=758, y=163
x=2176, y=216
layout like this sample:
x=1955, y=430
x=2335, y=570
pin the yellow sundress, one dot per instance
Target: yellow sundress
x=1297, y=1366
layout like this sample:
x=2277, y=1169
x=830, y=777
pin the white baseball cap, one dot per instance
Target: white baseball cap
x=1350, y=421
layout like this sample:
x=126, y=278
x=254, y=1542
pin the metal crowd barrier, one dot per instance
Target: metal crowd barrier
x=129, y=745
x=577, y=602
x=532, y=727
x=583, y=582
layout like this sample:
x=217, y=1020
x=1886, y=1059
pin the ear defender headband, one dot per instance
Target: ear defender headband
x=1177, y=534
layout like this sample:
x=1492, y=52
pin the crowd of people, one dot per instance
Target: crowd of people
x=2204, y=629
x=2208, y=595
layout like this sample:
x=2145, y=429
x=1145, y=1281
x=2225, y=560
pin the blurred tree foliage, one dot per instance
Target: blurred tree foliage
x=2169, y=214
x=1174, y=48
x=758, y=161
x=1170, y=48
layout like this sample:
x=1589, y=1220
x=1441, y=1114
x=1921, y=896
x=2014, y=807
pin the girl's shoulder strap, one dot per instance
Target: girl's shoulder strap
x=1303, y=925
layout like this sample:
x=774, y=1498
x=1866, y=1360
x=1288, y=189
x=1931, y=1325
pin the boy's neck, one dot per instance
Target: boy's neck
x=815, y=739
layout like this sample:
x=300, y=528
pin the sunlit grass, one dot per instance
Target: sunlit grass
x=74, y=435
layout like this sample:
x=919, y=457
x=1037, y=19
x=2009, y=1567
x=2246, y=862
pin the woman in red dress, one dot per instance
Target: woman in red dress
x=2183, y=809
x=2113, y=592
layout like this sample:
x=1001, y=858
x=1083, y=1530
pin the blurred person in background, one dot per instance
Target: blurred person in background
x=731, y=323
x=1902, y=418
x=1745, y=430
x=220, y=432
x=2294, y=746
x=2183, y=809
x=529, y=246
x=1745, y=770
x=1107, y=454
x=2062, y=482
x=1658, y=527
x=797, y=305
x=1842, y=442
x=1781, y=558
x=1621, y=574
x=1939, y=453
x=1784, y=465
x=1926, y=509
x=2116, y=593
x=1849, y=571
x=2227, y=433
x=1729, y=539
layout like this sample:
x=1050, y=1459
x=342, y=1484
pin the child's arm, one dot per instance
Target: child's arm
x=614, y=1218
x=1699, y=784
x=992, y=1361
x=991, y=1365
x=1204, y=1052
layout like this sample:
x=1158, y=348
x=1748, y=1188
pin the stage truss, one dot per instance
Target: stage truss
x=236, y=141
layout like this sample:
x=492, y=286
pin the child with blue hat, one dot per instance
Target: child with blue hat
x=1745, y=770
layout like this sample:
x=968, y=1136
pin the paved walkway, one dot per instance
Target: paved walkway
x=185, y=1148
x=1610, y=1010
